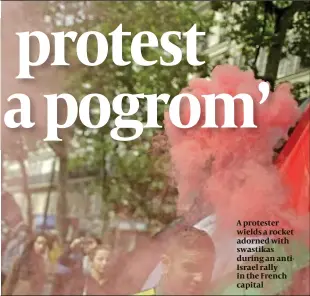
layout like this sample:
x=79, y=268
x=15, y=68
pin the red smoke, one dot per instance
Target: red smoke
x=232, y=167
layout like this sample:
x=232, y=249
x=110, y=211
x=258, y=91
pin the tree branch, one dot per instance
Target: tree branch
x=261, y=41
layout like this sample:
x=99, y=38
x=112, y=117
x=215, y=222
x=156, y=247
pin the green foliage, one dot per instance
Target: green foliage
x=300, y=90
x=127, y=178
x=300, y=43
x=258, y=25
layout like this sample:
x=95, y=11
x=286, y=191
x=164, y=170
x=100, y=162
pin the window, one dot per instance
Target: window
x=34, y=167
x=287, y=67
x=261, y=62
x=222, y=34
x=303, y=65
x=239, y=60
x=296, y=64
x=281, y=69
x=242, y=61
x=12, y=169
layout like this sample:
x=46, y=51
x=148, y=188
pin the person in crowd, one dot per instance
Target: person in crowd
x=72, y=256
x=96, y=282
x=56, y=247
x=74, y=263
x=89, y=244
x=28, y=275
x=70, y=266
x=14, y=247
x=55, y=251
x=187, y=263
x=76, y=255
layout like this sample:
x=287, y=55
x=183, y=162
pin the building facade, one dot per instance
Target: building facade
x=291, y=68
x=42, y=171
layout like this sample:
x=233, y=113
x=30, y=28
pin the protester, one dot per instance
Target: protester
x=28, y=275
x=89, y=244
x=96, y=282
x=14, y=247
x=76, y=255
x=187, y=264
x=70, y=267
x=56, y=247
x=72, y=256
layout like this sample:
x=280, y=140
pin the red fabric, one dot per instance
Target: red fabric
x=293, y=163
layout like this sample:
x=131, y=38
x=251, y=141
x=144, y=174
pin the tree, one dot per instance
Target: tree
x=17, y=150
x=279, y=27
x=31, y=16
x=57, y=16
x=17, y=144
x=127, y=179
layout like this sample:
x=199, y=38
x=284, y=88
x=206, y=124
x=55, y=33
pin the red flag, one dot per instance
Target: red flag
x=293, y=163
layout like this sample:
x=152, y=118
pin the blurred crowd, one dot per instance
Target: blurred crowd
x=184, y=258
x=42, y=265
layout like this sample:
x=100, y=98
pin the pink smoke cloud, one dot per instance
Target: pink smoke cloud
x=232, y=168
